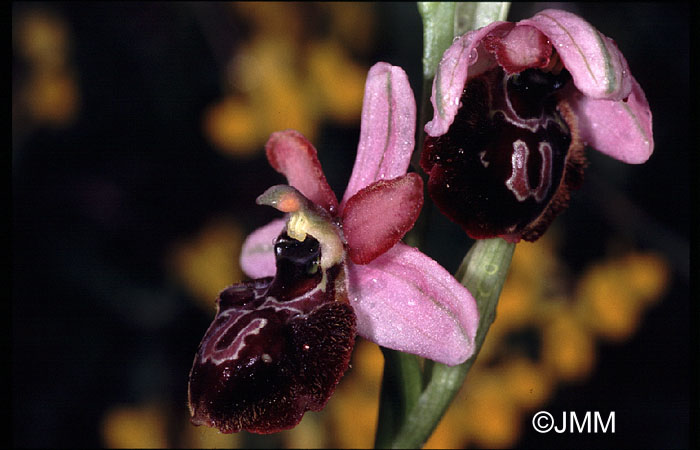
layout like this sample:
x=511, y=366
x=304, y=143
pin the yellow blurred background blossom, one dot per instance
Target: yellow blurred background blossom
x=135, y=426
x=208, y=262
x=287, y=76
x=155, y=425
x=46, y=92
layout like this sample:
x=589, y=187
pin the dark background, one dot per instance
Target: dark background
x=96, y=319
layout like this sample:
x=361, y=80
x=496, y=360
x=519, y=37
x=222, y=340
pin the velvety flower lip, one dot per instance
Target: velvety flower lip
x=514, y=105
x=278, y=346
x=607, y=98
x=403, y=299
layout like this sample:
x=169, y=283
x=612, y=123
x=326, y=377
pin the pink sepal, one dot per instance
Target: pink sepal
x=258, y=254
x=618, y=128
x=406, y=301
x=597, y=66
x=387, y=134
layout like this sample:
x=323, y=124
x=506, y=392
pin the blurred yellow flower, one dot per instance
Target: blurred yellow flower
x=353, y=408
x=230, y=126
x=208, y=262
x=284, y=76
x=450, y=433
x=41, y=38
x=647, y=274
x=491, y=416
x=568, y=350
x=154, y=425
x=139, y=426
x=47, y=92
x=516, y=304
x=336, y=81
x=351, y=23
x=206, y=437
x=272, y=18
x=527, y=383
x=310, y=433
x=52, y=97
x=613, y=294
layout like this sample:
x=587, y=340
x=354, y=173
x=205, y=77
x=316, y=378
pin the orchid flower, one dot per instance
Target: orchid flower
x=279, y=344
x=514, y=105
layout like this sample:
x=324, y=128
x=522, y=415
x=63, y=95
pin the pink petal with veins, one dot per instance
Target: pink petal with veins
x=461, y=60
x=596, y=64
x=378, y=216
x=291, y=154
x=387, y=134
x=258, y=254
x=618, y=128
x=406, y=301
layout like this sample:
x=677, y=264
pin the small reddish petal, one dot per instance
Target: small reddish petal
x=406, y=301
x=387, y=135
x=524, y=47
x=378, y=216
x=257, y=254
x=291, y=154
x=621, y=129
x=597, y=66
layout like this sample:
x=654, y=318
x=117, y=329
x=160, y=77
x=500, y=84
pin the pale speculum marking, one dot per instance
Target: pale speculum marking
x=250, y=323
x=253, y=325
x=518, y=182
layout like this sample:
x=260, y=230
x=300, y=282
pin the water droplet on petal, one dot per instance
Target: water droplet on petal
x=473, y=56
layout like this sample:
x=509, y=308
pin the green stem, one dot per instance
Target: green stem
x=411, y=403
x=472, y=15
x=436, y=39
x=401, y=385
x=483, y=271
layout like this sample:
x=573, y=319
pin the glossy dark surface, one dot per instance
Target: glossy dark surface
x=277, y=346
x=470, y=166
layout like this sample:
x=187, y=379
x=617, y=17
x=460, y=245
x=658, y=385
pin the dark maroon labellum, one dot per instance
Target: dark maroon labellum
x=277, y=346
x=500, y=168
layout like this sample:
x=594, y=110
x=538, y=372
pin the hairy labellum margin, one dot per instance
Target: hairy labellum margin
x=277, y=346
x=507, y=163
